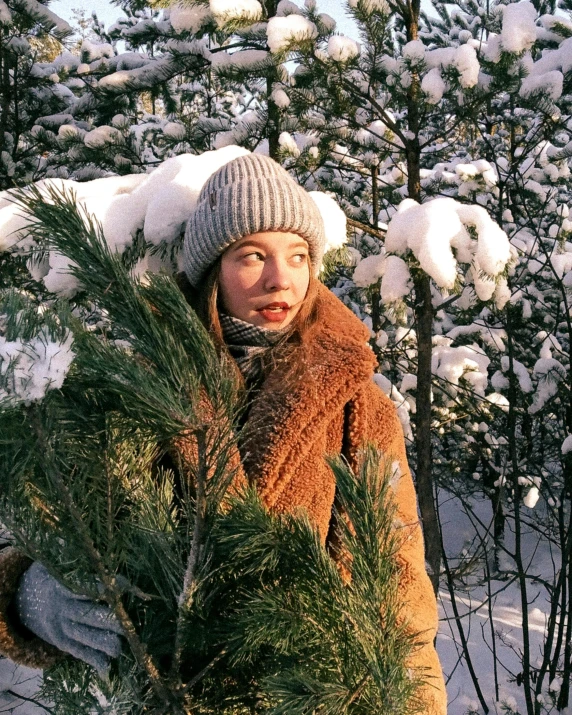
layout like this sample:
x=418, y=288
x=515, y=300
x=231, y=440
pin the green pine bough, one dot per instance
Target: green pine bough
x=226, y=608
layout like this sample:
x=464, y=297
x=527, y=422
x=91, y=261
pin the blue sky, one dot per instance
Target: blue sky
x=104, y=9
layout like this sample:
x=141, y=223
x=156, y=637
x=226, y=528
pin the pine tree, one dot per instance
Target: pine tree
x=473, y=105
x=27, y=33
x=460, y=103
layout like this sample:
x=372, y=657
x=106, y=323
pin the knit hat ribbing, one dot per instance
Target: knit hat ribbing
x=248, y=195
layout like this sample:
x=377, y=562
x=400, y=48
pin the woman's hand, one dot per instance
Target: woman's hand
x=74, y=624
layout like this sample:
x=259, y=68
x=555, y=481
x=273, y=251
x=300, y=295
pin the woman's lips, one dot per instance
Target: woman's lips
x=274, y=312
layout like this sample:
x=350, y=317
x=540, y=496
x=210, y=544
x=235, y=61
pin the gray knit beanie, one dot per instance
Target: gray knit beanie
x=248, y=195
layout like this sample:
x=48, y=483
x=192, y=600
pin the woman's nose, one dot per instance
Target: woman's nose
x=276, y=276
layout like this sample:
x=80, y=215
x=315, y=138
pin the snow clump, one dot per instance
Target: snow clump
x=189, y=17
x=432, y=230
x=342, y=49
x=231, y=10
x=567, y=445
x=518, y=27
x=531, y=497
x=283, y=31
x=549, y=372
x=547, y=73
x=433, y=86
x=280, y=98
x=69, y=131
x=12, y=226
x=472, y=174
x=396, y=281
x=369, y=270
x=402, y=406
x=463, y=58
x=100, y=136
x=395, y=277
x=91, y=51
x=453, y=363
x=5, y=14
x=287, y=7
x=174, y=130
x=60, y=279
x=28, y=369
x=288, y=143
x=158, y=203
x=370, y=6
x=247, y=59
x=334, y=219
x=520, y=371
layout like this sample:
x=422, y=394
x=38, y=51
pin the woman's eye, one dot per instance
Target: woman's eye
x=301, y=257
x=255, y=256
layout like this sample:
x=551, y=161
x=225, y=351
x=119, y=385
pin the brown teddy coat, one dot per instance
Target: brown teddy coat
x=334, y=407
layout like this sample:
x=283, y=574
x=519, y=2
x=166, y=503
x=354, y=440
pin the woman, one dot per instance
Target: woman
x=252, y=248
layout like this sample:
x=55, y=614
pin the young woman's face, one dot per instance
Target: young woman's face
x=264, y=278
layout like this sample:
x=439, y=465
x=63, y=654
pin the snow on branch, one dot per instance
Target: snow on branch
x=463, y=59
x=395, y=277
x=45, y=16
x=35, y=352
x=5, y=14
x=437, y=234
x=155, y=70
x=284, y=31
x=518, y=27
x=158, y=204
x=190, y=18
x=29, y=369
x=225, y=11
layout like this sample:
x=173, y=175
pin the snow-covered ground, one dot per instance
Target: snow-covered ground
x=475, y=608
x=473, y=605
x=23, y=681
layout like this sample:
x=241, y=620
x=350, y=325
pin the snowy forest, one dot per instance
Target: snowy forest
x=438, y=145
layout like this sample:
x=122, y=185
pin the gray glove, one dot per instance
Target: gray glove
x=74, y=624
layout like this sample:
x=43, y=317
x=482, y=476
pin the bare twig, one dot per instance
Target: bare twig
x=461, y=630
x=366, y=228
x=25, y=699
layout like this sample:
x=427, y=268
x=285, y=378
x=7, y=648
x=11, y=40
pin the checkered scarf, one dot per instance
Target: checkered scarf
x=248, y=344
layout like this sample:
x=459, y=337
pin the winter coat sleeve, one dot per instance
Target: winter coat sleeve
x=16, y=642
x=372, y=418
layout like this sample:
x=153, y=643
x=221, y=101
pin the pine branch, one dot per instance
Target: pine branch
x=237, y=599
x=293, y=606
x=112, y=593
x=189, y=581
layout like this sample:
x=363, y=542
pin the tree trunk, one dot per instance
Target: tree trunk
x=424, y=328
x=273, y=129
x=532, y=708
x=5, y=98
x=424, y=476
x=273, y=117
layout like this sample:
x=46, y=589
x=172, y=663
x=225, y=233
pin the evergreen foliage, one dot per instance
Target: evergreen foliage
x=28, y=32
x=484, y=388
x=226, y=608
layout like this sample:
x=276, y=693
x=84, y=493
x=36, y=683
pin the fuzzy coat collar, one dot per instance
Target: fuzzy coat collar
x=283, y=425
